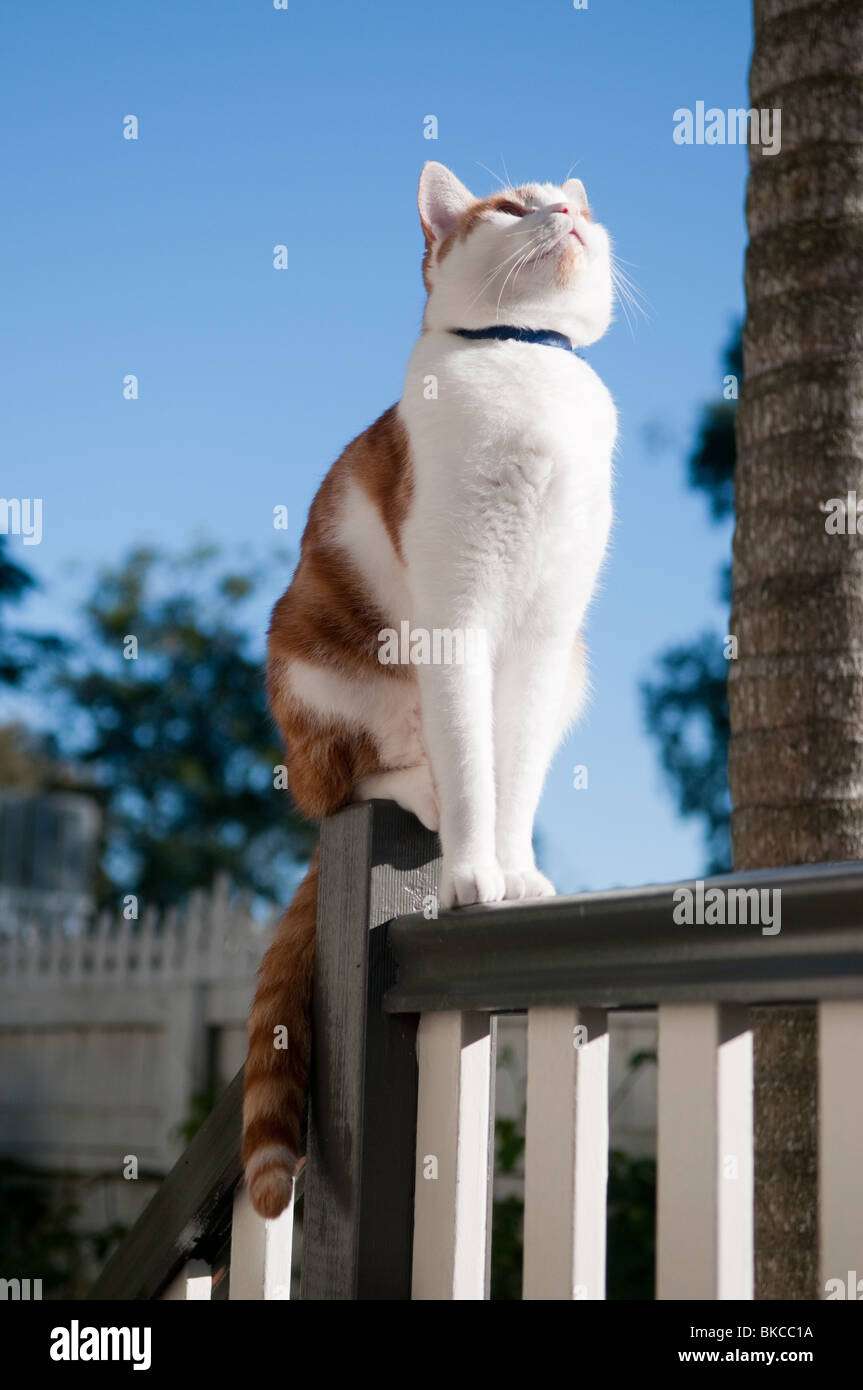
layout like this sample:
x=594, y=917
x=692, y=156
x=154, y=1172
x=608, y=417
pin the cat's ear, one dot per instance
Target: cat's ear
x=442, y=200
x=576, y=192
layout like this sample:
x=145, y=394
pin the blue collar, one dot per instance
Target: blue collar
x=548, y=336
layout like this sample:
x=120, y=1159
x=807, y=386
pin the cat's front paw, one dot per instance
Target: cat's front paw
x=527, y=883
x=478, y=882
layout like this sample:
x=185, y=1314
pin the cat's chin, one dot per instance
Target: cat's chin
x=562, y=247
x=571, y=263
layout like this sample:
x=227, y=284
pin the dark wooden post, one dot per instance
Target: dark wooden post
x=377, y=862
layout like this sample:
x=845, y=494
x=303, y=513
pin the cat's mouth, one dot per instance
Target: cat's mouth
x=562, y=241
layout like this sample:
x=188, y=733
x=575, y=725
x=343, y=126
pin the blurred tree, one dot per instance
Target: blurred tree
x=28, y=760
x=19, y=651
x=14, y=580
x=165, y=703
x=685, y=703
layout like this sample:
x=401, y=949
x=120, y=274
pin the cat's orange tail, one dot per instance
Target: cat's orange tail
x=277, y=1067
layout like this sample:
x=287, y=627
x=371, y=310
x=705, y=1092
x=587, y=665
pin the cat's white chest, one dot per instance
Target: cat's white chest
x=511, y=448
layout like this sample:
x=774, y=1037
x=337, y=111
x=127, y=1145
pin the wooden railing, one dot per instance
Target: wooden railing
x=396, y=1194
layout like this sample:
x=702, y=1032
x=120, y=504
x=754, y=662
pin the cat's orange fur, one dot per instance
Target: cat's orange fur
x=326, y=617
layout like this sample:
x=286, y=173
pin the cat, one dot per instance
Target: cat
x=480, y=503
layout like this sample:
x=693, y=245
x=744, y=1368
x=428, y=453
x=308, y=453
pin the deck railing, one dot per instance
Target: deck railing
x=397, y=1185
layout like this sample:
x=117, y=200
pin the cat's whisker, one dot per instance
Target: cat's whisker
x=522, y=264
x=522, y=260
x=506, y=259
x=616, y=270
x=632, y=296
x=503, y=287
x=629, y=313
x=506, y=186
x=622, y=279
x=625, y=307
x=626, y=314
x=528, y=256
x=490, y=278
x=518, y=266
x=500, y=265
x=628, y=295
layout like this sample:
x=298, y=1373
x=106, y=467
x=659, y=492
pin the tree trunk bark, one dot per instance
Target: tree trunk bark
x=796, y=690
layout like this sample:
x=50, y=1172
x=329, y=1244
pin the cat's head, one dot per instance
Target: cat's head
x=531, y=256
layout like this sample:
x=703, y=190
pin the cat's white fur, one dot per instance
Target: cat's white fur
x=511, y=446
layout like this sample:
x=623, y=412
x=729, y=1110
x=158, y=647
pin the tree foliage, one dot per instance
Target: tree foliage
x=685, y=700
x=19, y=651
x=164, y=703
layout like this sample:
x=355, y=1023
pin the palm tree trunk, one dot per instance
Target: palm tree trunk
x=796, y=691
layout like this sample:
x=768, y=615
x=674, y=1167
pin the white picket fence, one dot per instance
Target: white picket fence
x=111, y=1026
x=44, y=942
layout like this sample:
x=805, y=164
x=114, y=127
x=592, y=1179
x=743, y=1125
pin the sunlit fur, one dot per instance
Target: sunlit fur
x=482, y=500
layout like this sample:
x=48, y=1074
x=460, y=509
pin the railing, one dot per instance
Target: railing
x=199, y=1225
x=396, y=1201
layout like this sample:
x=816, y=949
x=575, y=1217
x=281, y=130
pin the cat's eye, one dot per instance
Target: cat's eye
x=512, y=209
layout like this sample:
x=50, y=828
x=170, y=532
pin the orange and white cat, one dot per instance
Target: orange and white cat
x=480, y=503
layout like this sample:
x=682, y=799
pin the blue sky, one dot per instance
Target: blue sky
x=305, y=127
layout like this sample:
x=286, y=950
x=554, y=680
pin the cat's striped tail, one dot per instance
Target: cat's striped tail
x=277, y=1067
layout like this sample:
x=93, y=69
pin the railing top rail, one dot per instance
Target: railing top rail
x=624, y=948
x=180, y=1213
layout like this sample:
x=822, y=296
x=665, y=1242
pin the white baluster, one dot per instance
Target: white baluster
x=260, y=1251
x=704, y=1223
x=840, y=1142
x=566, y=1154
x=193, y=1284
x=453, y=1157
